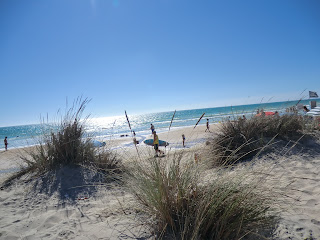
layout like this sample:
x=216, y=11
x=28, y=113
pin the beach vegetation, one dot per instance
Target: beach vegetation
x=66, y=143
x=183, y=206
x=241, y=139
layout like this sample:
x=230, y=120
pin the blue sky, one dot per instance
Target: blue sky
x=154, y=55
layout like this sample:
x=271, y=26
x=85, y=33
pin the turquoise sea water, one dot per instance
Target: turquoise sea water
x=113, y=127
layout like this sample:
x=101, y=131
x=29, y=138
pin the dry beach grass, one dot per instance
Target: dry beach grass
x=183, y=206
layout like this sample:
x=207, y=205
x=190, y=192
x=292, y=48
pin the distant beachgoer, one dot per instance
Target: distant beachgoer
x=152, y=128
x=276, y=114
x=183, y=139
x=244, y=117
x=305, y=109
x=156, y=143
x=258, y=111
x=5, y=143
x=208, y=127
x=135, y=142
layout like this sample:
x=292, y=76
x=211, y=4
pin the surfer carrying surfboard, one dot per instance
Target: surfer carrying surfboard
x=156, y=143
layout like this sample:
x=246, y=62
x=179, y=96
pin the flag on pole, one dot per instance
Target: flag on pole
x=198, y=120
x=313, y=94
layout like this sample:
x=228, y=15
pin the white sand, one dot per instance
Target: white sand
x=109, y=213
x=303, y=213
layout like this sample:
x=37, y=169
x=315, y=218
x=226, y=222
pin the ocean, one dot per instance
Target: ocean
x=113, y=127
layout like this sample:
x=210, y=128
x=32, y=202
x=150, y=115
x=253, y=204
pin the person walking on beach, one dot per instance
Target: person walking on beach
x=152, y=128
x=135, y=142
x=5, y=143
x=156, y=143
x=208, y=127
x=183, y=139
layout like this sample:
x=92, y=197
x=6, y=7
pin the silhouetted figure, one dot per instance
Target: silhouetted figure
x=134, y=138
x=183, y=139
x=208, y=127
x=5, y=143
x=152, y=128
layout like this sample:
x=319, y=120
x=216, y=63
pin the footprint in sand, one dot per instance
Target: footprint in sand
x=312, y=202
x=66, y=233
x=316, y=222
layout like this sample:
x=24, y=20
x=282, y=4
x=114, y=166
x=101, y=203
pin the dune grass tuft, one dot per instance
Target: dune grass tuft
x=183, y=207
x=241, y=139
x=67, y=143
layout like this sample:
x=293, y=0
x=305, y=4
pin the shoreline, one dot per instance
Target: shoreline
x=10, y=160
x=112, y=127
x=110, y=137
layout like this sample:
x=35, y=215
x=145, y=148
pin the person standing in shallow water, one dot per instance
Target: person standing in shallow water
x=5, y=143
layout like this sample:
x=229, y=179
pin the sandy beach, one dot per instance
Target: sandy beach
x=231, y=88
x=27, y=212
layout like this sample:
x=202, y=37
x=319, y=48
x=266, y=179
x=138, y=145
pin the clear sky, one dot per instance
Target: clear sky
x=154, y=55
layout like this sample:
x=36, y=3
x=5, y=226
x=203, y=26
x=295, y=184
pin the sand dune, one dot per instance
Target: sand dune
x=93, y=211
